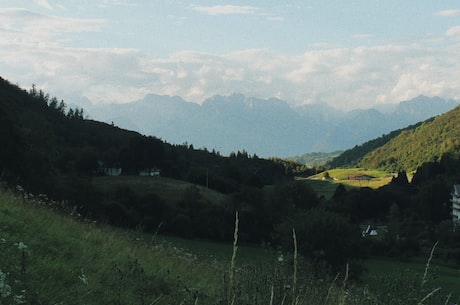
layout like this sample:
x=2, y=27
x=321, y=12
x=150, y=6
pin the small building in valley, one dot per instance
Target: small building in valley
x=151, y=172
x=104, y=170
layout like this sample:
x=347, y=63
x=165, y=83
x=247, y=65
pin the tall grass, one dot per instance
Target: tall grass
x=231, y=295
x=294, y=277
x=49, y=258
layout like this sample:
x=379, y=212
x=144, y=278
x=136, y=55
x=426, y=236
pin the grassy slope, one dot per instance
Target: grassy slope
x=166, y=188
x=327, y=188
x=60, y=252
x=70, y=262
x=411, y=148
x=410, y=272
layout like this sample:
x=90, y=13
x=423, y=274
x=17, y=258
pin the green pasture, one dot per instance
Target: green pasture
x=166, y=188
x=326, y=187
x=386, y=273
x=221, y=251
x=52, y=257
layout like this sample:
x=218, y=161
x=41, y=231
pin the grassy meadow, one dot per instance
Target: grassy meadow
x=166, y=188
x=383, y=271
x=326, y=187
x=49, y=255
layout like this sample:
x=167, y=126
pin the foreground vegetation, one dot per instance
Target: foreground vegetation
x=55, y=257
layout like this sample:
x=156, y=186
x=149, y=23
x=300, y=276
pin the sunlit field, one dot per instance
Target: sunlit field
x=326, y=185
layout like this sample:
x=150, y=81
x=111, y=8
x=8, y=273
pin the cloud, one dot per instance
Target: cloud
x=344, y=77
x=30, y=23
x=108, y=3
x=275, y=18
x=362, y=36
x=448, y=13
x=31, y=52
x=44, y=3
x=453, y=32
x=225, y=9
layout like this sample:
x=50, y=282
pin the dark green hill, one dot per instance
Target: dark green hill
x=411, y=148
x=43, y=140
x=50, y=149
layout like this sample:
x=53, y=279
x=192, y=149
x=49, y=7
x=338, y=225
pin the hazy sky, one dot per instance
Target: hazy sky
x=342, y=52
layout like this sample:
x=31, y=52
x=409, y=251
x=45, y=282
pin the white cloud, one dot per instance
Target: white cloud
x=30, y=26
x=225, y=9
x=108, y=3
x=345, y=77
x=448, y=13
x=453, y=32
x=44, y=3
x=362, y=36
x=275, y=18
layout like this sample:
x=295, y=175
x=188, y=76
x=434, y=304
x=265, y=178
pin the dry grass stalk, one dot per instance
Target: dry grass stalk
x=231, y=280
x=294, y=280
x=330, y=288
x=428, y=265
x=448, y=299
x=429, y=295
x=272, y=295
x=344, y=294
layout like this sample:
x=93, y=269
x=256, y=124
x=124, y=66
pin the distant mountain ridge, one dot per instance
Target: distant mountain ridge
x=265, y=127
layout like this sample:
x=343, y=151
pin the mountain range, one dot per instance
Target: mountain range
x=266, y=127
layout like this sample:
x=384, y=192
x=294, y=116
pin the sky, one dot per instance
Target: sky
x=348, y=54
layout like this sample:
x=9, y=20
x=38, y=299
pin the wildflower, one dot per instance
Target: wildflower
x=83, y=278
x=280, y=258
x=21, y=245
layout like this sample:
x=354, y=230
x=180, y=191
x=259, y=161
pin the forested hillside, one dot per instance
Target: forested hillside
x=430, y=141
x=351, y=157
x=45, y=140
x=409, y=148
x=51, y=149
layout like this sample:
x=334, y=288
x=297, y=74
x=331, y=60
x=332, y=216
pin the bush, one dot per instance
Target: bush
x=326, y=237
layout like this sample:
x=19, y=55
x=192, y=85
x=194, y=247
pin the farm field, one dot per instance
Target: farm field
x=326, y=186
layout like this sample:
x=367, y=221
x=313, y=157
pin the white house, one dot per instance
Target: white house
x=456, y=204
x=152, y=172
x=369, y=231
x=110, y=171
x=107, y=171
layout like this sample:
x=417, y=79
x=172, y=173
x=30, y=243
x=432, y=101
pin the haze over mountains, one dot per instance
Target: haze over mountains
x=264, y=127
